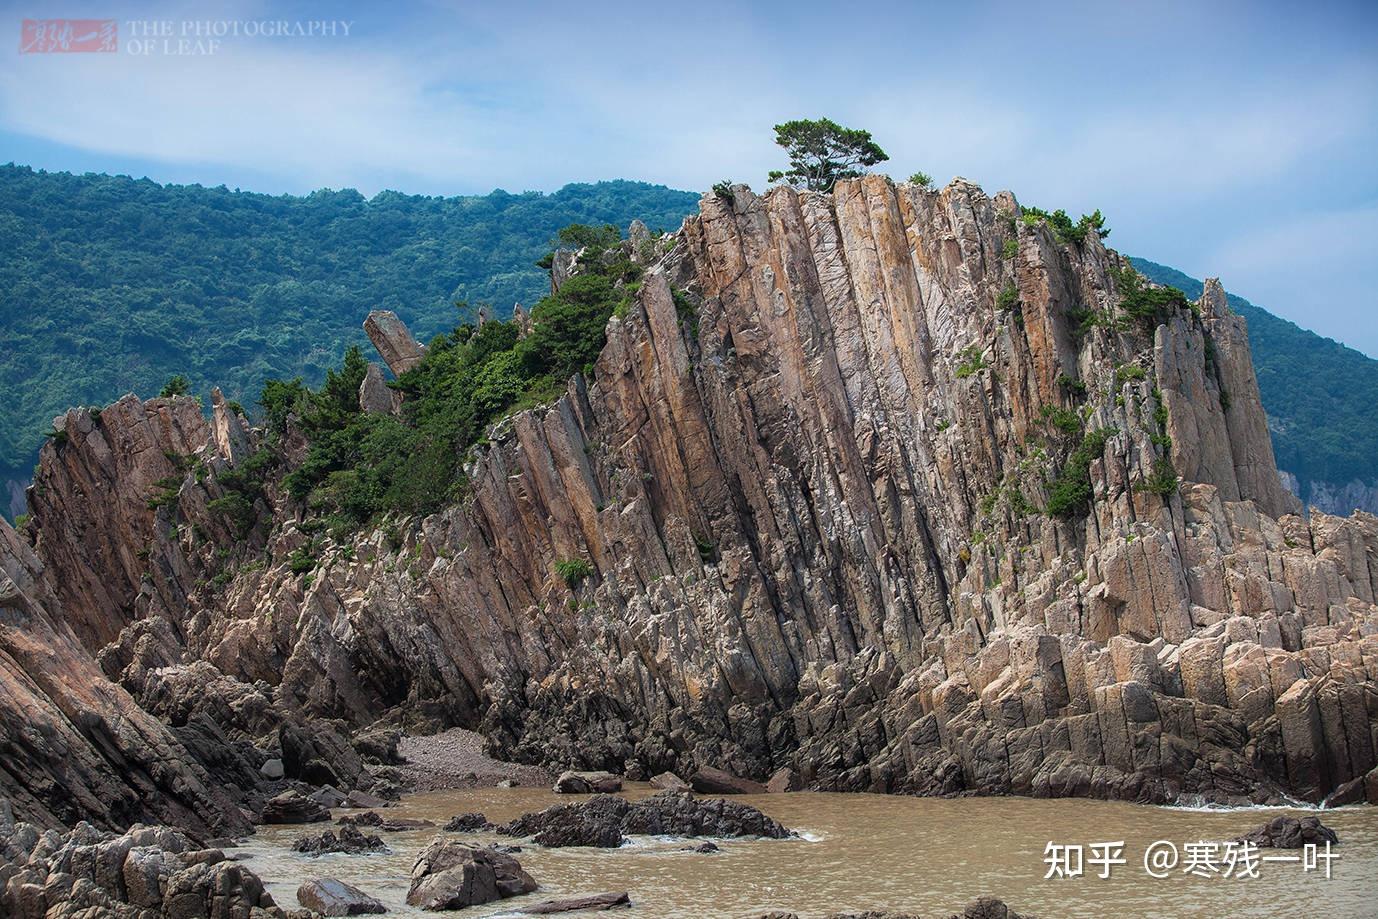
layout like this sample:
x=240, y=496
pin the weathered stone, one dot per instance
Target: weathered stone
x=394, y=341
x=451, y=875
x=350, y=841
x=784, y=780
x=1286, y=832
x=331, y=897
x=590, y=903
x=710, y=781
x=587, y=783
x=468, y=823
x=603, y=819
x=668, y=781
x=293, y=807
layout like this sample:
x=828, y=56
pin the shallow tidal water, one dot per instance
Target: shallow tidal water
x=855, y=852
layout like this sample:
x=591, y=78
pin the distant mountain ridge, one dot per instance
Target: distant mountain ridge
x=110, y=284
x=1320, y=397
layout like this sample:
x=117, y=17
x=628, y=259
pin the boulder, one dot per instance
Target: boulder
x=350, y=841
x=379, y=746
x=784, y=780
x=587, y=783
x=331, y=897
x=394, y=341
x=468, y=823
x=272, y=769
x=453, y=875
x=386, y=824
x=668, y=781
x=711, y=781
x=293, y=807
x=358, y=798
x=1286, y=832
x=590, y=903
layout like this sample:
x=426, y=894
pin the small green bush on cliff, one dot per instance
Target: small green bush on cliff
x=1147, y=305
x=573, y=571
x=1069, y=494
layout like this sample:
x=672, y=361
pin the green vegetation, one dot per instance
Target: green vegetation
x=110, y=285
x=1148, y=305
x=1063, y=227
x=1010, y=248
x=921, y=179
x=1163, y=480
x=1072, y=385
x=970, y=361
x=1069, y=494
x=573, y=571
x=822, y=151
x=724, y=190
x=362, y=466
x=1008, y=298
x=176, y=385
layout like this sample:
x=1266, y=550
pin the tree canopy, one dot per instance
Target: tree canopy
x=111, y=285
x=822, y=151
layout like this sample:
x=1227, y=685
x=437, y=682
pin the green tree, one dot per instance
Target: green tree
x=822, y=151
x=176, y=385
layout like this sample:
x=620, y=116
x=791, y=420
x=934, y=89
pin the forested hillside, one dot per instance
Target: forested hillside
x=1319, y=395
x=110, y=284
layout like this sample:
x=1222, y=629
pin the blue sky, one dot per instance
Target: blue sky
x=1238, y=140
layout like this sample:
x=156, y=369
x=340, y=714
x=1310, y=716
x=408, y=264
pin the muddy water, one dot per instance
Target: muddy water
x=874, y=852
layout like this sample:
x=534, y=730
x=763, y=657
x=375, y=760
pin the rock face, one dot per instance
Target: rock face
x=835, y=522
x=602, y=820
x=331, y=897
x=145, y=873
x=451, y=875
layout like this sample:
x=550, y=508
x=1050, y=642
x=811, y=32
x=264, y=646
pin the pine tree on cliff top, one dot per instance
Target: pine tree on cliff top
x=822, y=151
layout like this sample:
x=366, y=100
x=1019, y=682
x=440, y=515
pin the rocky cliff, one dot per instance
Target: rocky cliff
x=913, y=499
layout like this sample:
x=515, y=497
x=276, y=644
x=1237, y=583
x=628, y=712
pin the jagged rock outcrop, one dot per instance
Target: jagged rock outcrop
x=911, y=503
x=394, y=341
x=145, y=873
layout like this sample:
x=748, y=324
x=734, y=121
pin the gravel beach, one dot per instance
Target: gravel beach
x=455, y=759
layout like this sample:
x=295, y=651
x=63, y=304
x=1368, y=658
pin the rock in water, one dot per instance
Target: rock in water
x=331, y=897
x=602, y=820
x=590, y=903
x=293, y=807
x=350, y=841
x=587, y=783
x=144, y=872
x=784, y=780
x=468, y=823
x=1284, y=832
x=711, y=781
x=453, y=875
x=668, y=781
